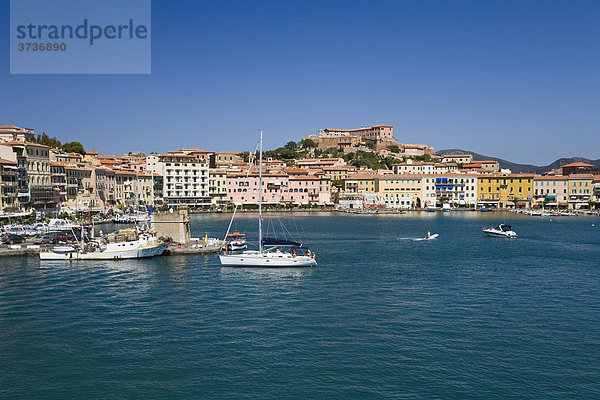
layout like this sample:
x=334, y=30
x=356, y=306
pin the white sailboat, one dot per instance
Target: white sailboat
x=270, y=257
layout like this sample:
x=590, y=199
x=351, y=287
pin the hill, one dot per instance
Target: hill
x=516, y=168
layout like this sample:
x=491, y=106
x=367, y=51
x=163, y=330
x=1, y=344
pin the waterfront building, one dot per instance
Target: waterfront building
x=58, y=179
x=550, y=191
x=580, y=190
x=9, y=174
x=505, y=191
x=103, y=179
x=80, y=194
x=243, y=188
x=457, y=189
x=360, y=183
x=217, y=186
x=428, y=192
x=33, y=161
x=324, y=189
x=302, y=190
x=157, y=188
x=153, y=164
x=400, y=191
x=186, y=178
x=596, y=190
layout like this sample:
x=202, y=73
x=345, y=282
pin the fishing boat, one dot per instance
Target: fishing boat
x=145, y=245
x=270, y=253
x=501, y=230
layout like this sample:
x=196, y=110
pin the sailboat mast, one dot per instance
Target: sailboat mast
x=260, y=156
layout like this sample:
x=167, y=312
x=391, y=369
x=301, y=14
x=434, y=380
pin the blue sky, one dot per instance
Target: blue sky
x=514, y=79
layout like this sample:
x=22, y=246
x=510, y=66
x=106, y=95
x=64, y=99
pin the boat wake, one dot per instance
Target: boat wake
x=418, y=239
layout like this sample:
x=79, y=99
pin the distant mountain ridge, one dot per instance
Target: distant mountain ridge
x=517, y=168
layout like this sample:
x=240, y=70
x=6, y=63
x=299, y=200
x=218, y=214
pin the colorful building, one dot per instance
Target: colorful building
x=505, y=190
x=550, y=191
x=400, y=191
x=580, y=187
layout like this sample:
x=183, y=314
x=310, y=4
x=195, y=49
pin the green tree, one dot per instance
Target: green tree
x=394, y=148
x=47, y=141
x=308, y=143
x=291, y=145
x=245, y=156
x=73, y=147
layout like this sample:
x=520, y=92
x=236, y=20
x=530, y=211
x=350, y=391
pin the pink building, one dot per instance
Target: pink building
x=278, y=189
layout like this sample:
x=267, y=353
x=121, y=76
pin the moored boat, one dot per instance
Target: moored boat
x=236, y=241
x=271, y=256
x=143, y=246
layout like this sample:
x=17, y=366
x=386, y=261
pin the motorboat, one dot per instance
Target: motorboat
x=501, y=230
x=236, y=241
x=56, y=224
x=269, y=252
x=431, y=236
x=446, y=207
x=431, y=208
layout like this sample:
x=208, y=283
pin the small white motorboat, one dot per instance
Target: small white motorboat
x=430, y=208
x=501, y=230
x=236, y=241
x=446, y=207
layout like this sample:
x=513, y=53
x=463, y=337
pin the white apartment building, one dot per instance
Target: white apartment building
x=428, y=191
x=185, y=179
x=459, y=189
x=153, y=164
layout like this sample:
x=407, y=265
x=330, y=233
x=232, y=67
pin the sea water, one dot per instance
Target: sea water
x=382, y=316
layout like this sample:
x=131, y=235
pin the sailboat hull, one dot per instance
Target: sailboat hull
x=269, y=260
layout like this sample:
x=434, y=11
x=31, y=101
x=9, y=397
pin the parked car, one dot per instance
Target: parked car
x=11, y=238
x=49, y=238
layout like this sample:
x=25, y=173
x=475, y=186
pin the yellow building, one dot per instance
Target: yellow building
x=400, y=191
x=579, y=190
x=360, y=183
x=338, y=173
x=505, y=190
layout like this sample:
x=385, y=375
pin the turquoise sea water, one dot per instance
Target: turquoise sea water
x=382, y=316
